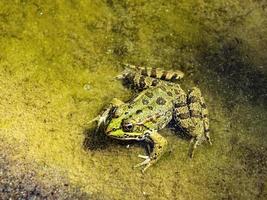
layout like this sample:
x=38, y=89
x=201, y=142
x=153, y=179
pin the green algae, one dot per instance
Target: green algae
x=58, y=61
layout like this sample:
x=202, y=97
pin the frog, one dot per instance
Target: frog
x=159, y=100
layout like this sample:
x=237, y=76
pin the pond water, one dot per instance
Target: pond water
x=58, y=60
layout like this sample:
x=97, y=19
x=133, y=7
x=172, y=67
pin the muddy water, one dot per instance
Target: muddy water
x=58, y=60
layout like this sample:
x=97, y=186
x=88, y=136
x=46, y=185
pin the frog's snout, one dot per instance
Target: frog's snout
x=109, y=130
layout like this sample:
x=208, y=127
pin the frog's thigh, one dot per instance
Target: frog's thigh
x=182, y=113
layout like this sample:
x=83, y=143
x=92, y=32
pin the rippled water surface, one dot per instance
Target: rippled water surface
x=58, y=60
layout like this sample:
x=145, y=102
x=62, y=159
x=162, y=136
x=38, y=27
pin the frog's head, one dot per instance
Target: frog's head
x=123, y=127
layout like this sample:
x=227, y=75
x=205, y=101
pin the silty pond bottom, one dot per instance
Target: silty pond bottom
x=58, y=60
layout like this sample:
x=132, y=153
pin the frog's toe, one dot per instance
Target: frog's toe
x=208, y=137
x=102, y=120
x=145, y=162
x=146, y=167
x=93, y=120
x=143, y=156
x=209, y=142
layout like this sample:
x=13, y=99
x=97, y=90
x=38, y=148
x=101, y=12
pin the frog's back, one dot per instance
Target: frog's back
x=155, y=105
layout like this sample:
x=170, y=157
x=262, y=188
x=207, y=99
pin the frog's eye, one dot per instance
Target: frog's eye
x=127, y=126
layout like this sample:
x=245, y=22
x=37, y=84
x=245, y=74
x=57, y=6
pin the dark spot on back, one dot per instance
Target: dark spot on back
x=163, y=88
x=145, y=101
x=160, y=101
x=155, y=82
x=149, y=94
x=176, y=91
x=139, y=112
x=150, y=107
x=169, y=93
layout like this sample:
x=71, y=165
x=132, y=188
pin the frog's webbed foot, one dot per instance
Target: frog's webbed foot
x=191, y=115
x=145, y=162
x=160, y=144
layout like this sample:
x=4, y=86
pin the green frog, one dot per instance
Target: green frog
x=160, y=100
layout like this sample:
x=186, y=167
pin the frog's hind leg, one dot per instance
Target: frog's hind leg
x=198, y=109
x=191, y=115
x=139, y=82
x=140, y=78
x=157, y=73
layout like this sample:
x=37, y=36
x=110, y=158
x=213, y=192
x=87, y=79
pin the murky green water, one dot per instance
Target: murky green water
x=58, y=60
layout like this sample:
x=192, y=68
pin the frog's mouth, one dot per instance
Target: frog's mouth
x=121, y=134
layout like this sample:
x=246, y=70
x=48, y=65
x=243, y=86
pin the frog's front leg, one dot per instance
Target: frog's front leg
x=160, y=145
x=101, y=119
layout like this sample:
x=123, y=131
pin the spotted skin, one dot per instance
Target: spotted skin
x=192, y=117
x=159, y=101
